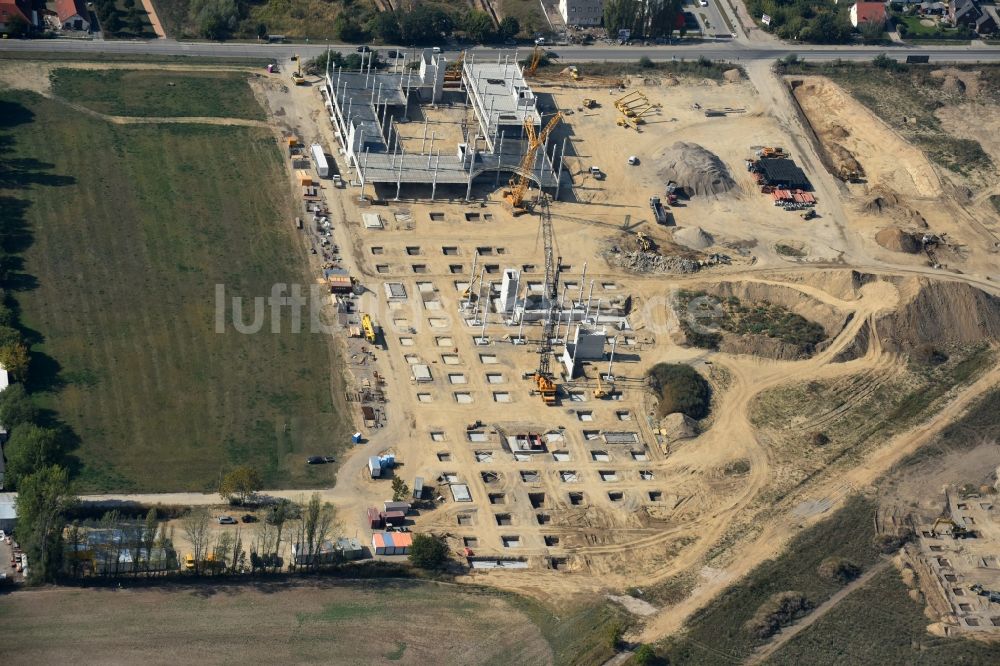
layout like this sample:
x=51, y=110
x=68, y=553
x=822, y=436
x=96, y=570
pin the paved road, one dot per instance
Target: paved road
x=732, y=50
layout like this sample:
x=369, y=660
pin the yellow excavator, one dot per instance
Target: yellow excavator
x=600, y=392
x=297, y=77
x=536, y=58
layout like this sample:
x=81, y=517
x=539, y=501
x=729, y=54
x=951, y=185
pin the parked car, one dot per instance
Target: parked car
x=362, y=49
x=315, y=460
x=249, y=518
x=227, y=520
x=189, y=561
x=392, y=53
x=633, y=160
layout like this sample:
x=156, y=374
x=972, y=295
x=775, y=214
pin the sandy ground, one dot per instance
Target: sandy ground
x=648, y=510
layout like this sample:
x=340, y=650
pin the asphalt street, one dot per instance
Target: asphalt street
x=730, y=50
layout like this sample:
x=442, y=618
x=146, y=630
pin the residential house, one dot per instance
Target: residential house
x=73, y=14
x=928, y=8
x=989, y=22
x=963, y=12
x=14, y=12
x=867, y=12
x=582, y=12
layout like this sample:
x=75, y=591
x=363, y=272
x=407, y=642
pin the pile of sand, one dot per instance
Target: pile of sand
x=678, y=426
x=897, y=240
x=881, y=199
x=695, y=238
x=732, y=75
x=940, y=314
x=698, y=171
x=958, y=81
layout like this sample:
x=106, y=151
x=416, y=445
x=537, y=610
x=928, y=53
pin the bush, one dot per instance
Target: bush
x=426, y=25
x=780, y=610
x=644, y=655
x=509, y=27
x=681, y=389
x=645, y=62
x=428, y=552
x=17, y=407
x=819, y=438
x=838, y=569
x=478, y=26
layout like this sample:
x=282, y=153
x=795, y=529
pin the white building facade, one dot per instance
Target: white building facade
x=582, y=12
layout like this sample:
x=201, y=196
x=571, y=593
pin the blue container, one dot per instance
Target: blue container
x=356, y=438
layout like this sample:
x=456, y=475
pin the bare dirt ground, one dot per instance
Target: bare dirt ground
x=646, y=510
x=317, y=622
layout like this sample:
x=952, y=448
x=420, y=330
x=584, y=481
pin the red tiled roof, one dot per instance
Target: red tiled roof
x=870, y=11
x=11, y=8
x=67, y=9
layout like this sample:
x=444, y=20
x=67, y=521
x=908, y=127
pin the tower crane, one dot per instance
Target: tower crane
x=543, y=375
x=519, y=183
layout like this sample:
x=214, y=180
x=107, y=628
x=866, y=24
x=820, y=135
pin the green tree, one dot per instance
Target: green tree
x=216, y=19
x=428, y=551
x=42, y=501
x=478, y=26
x=128, y=4
x=681, y=389
x=261, y=30
x=30, y=449
x=17, y=407
x=15, y=359
x=113, y=22
x=425, y=25
x=385, y=26
x=827, y=28
x=509, y=27
x=400, y=491
x=346, y=29
x=134, y=21
x=240, y=485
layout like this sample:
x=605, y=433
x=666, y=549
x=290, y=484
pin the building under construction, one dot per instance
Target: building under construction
x=366, y=107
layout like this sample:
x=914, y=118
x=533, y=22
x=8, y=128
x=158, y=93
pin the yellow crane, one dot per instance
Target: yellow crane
x=536, y=58
x=519, y=183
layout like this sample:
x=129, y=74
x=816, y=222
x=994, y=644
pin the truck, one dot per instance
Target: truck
x=658, y=210
x=319, y=157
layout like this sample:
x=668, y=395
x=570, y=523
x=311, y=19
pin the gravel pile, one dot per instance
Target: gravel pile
x=651, y=262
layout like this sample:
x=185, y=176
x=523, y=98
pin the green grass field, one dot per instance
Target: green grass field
x=147, y=92
x=128, y=230
x=716, y=634
x=880, y=624
x=316, y=622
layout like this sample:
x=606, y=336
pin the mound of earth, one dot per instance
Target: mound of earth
x=698, y=171
x=678, y=426
x=732, y=75
x=844, y=284
x=695, y=238
x=941, y=314
x=897, y=240
x=880, y=200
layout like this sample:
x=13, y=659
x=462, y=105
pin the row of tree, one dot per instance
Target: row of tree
x=643, y=18
x=424, y=25
x=131, y=19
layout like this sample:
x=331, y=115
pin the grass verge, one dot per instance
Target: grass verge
x=718, y=633
x=879, y=624
x=143, y=92
x=128, y=230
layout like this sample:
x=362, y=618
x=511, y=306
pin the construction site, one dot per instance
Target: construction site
x=508, y=264
x=505, y=253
